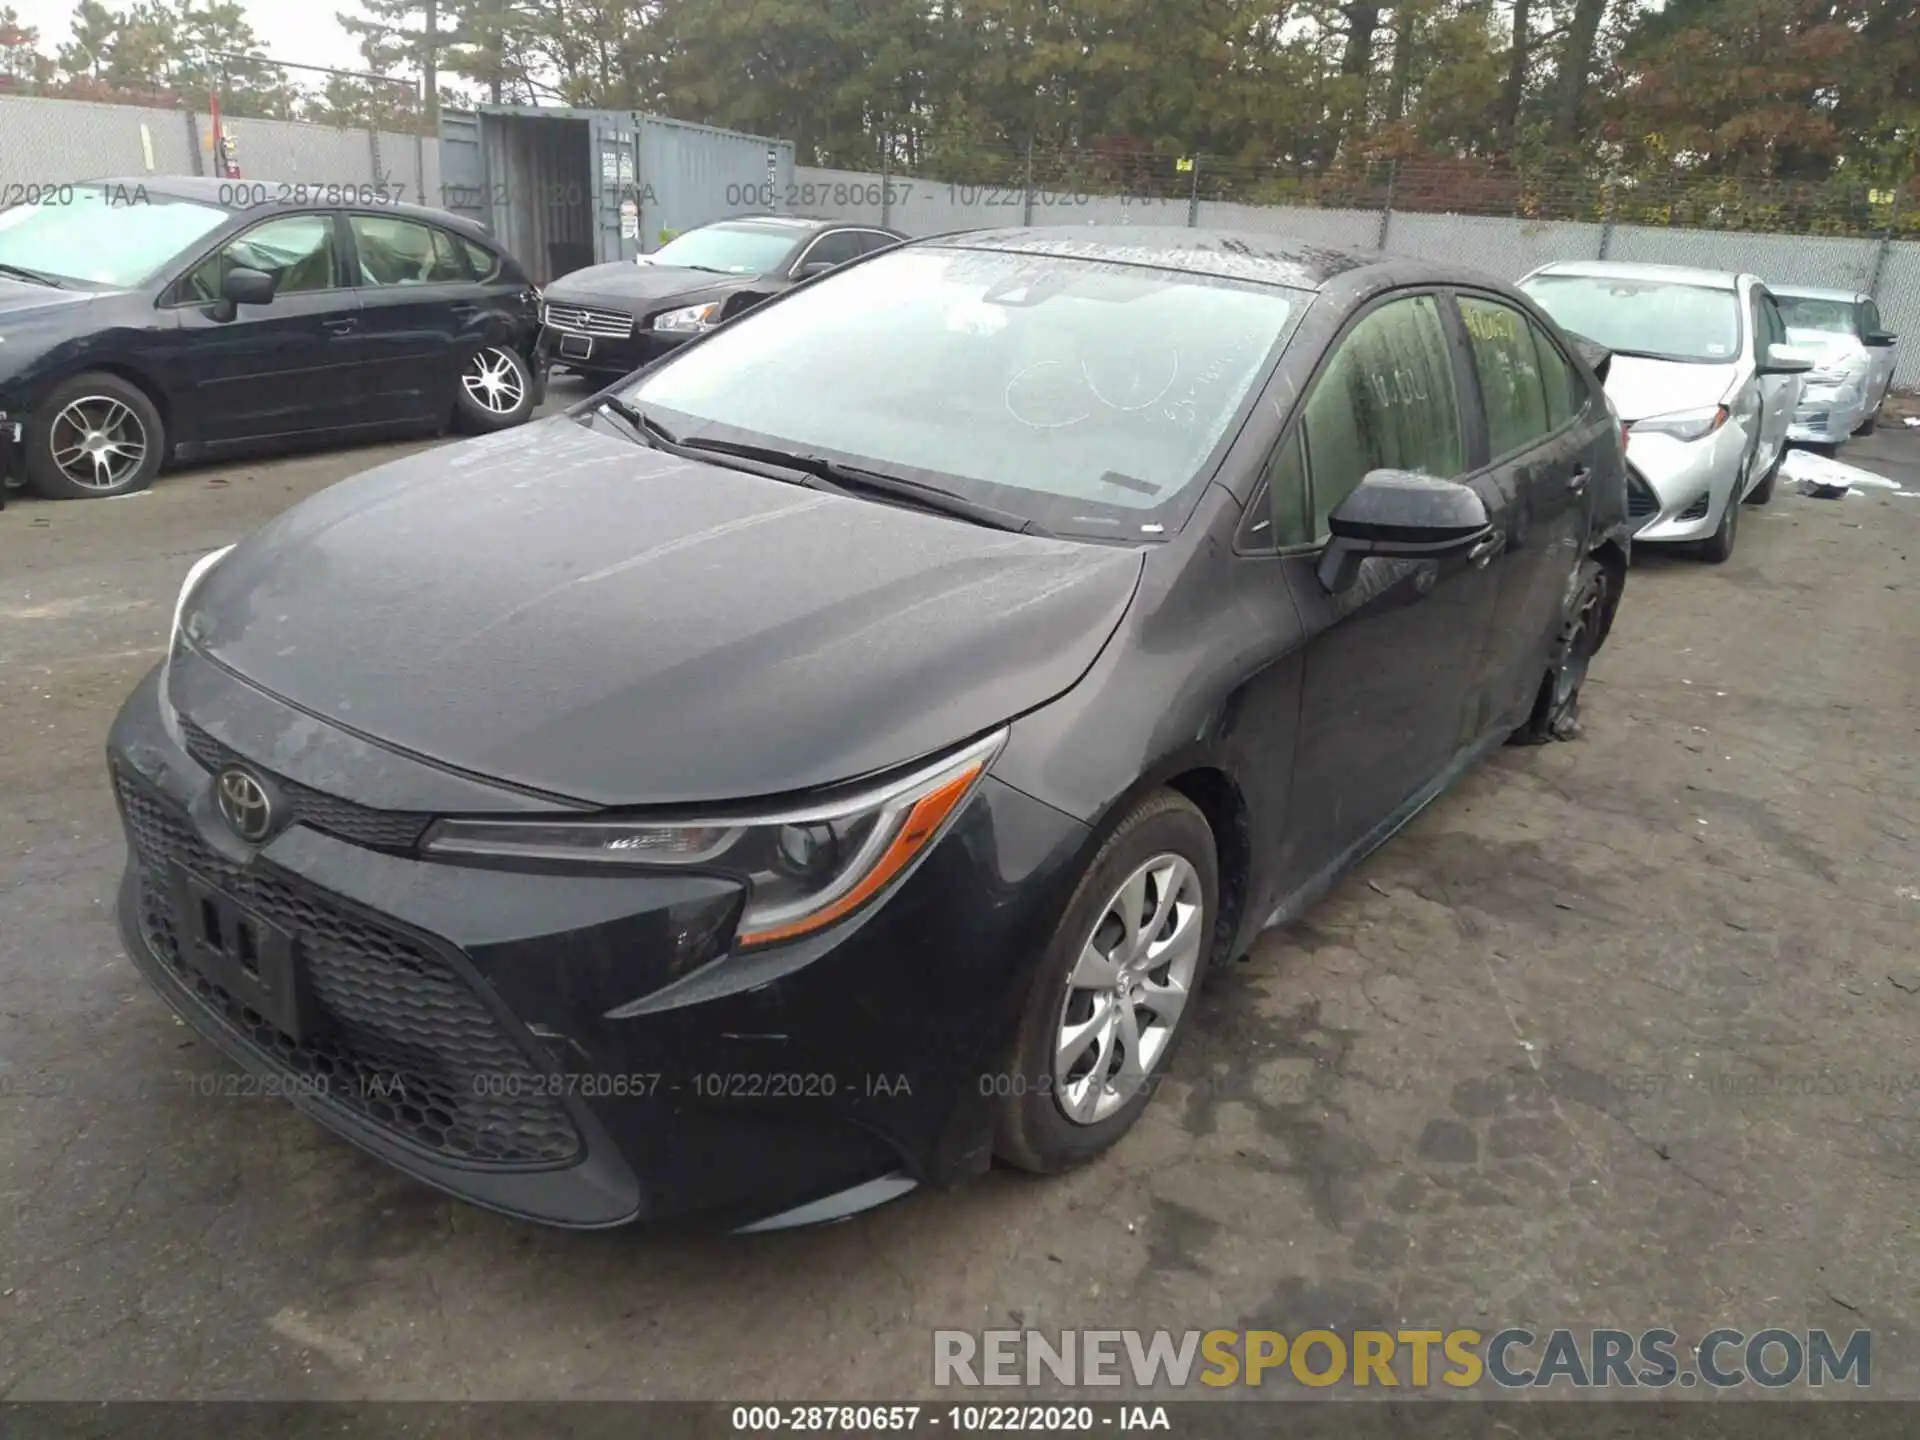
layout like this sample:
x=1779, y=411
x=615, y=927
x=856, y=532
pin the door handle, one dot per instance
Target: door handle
x=343, y=327
x=1578, y=480
x=1485, y=549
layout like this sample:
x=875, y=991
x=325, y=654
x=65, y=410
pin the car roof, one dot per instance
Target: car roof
x=1817, y=292
x=1632, y=270
x=1225, y=254
x=238, y=196
x=798, y=226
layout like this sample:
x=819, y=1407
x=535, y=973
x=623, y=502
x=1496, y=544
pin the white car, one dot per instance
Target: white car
x=1703, y=378
x=1852, y=362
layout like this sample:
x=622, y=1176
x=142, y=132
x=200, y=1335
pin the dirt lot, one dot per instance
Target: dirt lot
x=1619, y=1032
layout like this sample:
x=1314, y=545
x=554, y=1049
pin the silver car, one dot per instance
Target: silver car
x=1703, y=378
x=1852, y=362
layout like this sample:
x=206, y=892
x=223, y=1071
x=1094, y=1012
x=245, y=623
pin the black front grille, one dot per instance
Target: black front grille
x=381, y=829
x=1642, y=503
x=397, y=1037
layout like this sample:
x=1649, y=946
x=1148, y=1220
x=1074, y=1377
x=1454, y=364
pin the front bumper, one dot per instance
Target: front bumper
x=579, y=1049
x=1677, y=488
x=1827, y=419
x=603, y=355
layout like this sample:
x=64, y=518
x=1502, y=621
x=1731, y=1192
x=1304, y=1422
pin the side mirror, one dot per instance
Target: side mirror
x=248, y=287
x=813, y=268
x=1401, y=513
x=241, y=286
x=1785, y=360
x=1882, y=339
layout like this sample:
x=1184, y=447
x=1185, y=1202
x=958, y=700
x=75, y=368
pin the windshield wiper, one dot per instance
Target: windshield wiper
x=651, y=428
x=844, y=477
x=36, y=276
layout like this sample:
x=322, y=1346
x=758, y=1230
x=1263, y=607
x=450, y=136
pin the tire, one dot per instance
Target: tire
x=1717, y=548
x=1163, y=837
x=1871, y=423
x=495, y=390
x=1556, y=710
x=92, y=437
x=1763, y=492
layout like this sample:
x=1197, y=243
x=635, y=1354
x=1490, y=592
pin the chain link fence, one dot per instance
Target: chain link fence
x=1495, y=218
x=49, y=142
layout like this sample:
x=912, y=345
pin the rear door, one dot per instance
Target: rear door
x=1390, y=665
x=1535, y=484
x=421, y=316
x=268, y=371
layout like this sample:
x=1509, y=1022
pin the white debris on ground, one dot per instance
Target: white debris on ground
x=1829, y=479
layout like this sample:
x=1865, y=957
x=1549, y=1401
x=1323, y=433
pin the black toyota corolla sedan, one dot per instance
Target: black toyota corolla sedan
x=607, y=320
x=149, y=320
x=829, y=760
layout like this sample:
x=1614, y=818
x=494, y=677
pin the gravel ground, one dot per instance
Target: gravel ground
x=1618, y=1032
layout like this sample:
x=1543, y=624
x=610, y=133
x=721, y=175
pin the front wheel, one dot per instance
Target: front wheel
x=1718, y=547
x=1114, y=990
x=1763, y=492
x=496, y=390
x=1556, y=711
x=94, y=436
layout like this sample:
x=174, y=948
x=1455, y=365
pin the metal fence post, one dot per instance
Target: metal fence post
x=1026, y=215
x=1606, y=218
x=373, y=151
x=420, y=160
x=1885, y=248
x=886, y=182
x=1193, y=194
x=1386, y=211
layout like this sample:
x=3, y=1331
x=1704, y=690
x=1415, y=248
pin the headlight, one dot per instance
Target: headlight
x=168, y=720
x=1683, y=424
x=805, y=868
x=690, y=321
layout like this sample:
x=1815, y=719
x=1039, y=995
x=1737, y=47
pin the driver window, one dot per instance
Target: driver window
x=1385, y=401
x=297, y=250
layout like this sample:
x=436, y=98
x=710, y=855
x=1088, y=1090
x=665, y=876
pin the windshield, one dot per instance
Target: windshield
x=1803, y=312
x=96, y=239
x=1669, y=321
x=1083, y=395
x=733, y=249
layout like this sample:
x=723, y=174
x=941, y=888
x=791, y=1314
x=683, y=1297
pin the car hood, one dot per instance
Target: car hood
x=562, y=609
x=1641, y=388
x=1829, y=351
x=641, y=287
x=21, y=299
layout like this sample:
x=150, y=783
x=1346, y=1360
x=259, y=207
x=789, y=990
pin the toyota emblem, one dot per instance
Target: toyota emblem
x=244, y=804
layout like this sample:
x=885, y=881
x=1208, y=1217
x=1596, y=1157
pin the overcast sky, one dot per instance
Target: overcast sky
x=302, y=30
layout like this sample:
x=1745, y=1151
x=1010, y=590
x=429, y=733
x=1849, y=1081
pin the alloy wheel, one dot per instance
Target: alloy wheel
x=97, y=442
x=492, y=381
x=1128, y=989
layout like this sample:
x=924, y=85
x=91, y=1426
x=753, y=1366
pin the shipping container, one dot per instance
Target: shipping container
x=563, y=189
